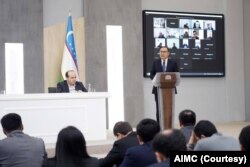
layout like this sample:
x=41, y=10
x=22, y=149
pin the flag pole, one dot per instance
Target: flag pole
x=70, y=12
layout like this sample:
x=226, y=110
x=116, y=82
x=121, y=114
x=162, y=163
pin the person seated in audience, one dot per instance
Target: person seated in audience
x=244, y=138
x=19, y=149
x=187, y=120
x=71, y=150
x=206, y=138
x=126, y=138
x=164, y=143
x=70, y=85
x=142, y=155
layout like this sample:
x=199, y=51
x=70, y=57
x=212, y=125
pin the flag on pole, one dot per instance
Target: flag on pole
x=69, y=60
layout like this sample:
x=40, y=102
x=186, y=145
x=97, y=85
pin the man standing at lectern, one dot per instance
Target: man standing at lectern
x=70, y=85
x=164, y=64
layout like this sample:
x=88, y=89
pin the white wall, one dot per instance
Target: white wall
x=216, y=99
x=246, y=4
x=57, y=11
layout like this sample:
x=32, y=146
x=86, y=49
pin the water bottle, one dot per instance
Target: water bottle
x=89, y=87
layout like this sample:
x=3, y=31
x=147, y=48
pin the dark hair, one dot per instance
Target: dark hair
x=187, y=117
x=11, y=121
x=164, y=143
x=244, y=138
x=67, y=73
x=122, y=127
x=70, y=147
x=147, y=129
x=164, y=47
x=204, y=127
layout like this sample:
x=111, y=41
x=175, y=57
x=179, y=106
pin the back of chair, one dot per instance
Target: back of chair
x=52, y=89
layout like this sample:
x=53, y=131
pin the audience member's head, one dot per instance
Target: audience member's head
x=147, y=129
x=187, y=118
x=204, y=128
x=121, y=129
x=11, y=122
x=244, y=138
x=167, y=141
x=71, y=77
x=70, y=146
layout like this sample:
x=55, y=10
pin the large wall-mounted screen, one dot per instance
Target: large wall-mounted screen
x=195, y=41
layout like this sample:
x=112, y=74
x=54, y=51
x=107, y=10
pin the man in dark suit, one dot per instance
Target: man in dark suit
x=126, y=138
x=19, y=149
x=165, y=142
x=142, y=155
x=187, y=120
x=70, y=85
x=164, y=64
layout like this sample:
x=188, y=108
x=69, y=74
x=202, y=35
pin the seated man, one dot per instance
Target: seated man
x=187, y=120
x=164, y=143
x=126, y=138
x=19, y=149
x=70, y=85
x=244, y=138
x=142, y=155
x=206, y=138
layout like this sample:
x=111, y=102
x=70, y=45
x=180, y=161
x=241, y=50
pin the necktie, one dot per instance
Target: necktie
x=163, y=66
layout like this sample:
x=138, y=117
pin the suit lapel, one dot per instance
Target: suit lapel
x=168, y=66
x=77, y=86
x=66, y=86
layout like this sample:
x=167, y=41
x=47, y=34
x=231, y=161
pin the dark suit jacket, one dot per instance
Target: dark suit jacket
x=162, y=164
x=117, y=153
x=62, y=87
x=157, y=67
x=86, y=162
x=139, y=156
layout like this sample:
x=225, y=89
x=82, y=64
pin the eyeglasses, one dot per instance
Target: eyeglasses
x=163, y=51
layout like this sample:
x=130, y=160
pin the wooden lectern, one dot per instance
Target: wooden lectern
x=166, y=83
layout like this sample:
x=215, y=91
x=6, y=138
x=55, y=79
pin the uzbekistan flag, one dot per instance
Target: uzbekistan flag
x=69, y=60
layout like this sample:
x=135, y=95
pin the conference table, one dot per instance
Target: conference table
x=44, y=115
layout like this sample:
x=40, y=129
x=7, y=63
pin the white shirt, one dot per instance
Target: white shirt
x=72, y=89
